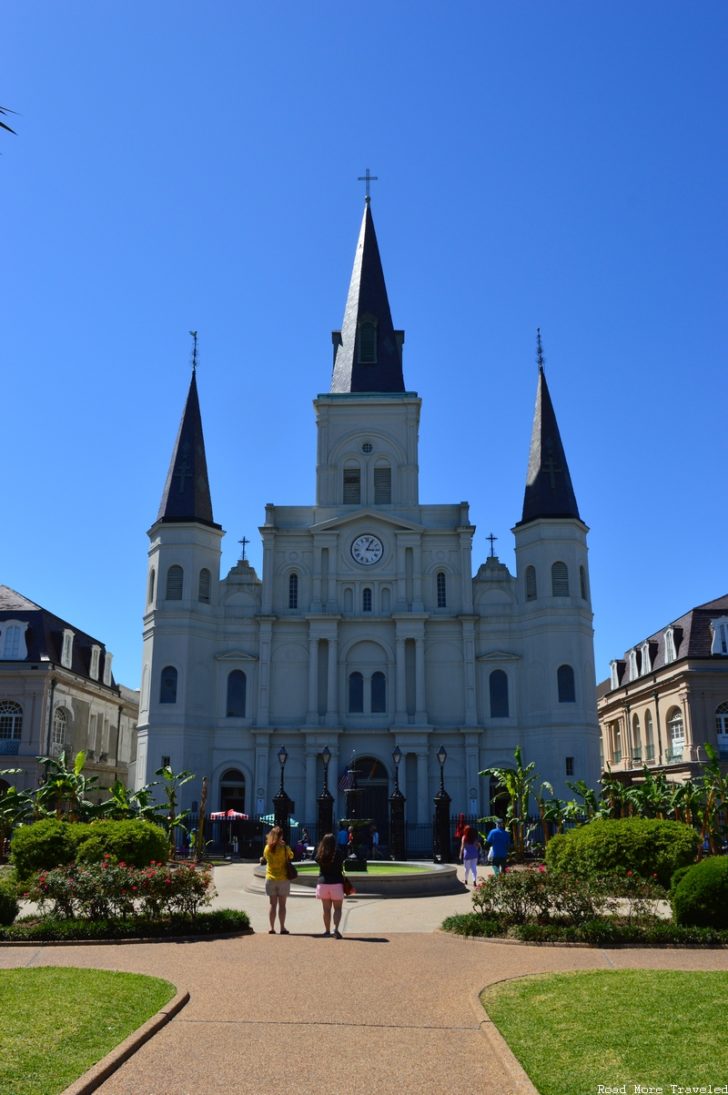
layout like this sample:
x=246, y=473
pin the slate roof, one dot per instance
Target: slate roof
x=549, y=492
x=367, y=299
x=186, y=495
x=44, y=634
x=692, y=637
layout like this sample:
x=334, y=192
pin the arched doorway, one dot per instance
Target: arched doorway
x=372, y=779
x=232, y=790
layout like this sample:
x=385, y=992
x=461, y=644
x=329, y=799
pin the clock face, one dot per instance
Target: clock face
x=367, y=549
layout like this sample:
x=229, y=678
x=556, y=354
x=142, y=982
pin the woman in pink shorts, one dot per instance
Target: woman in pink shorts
x=330, y=884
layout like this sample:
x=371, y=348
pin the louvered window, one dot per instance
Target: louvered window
x=203, y=593
x=559, y=580
x=175, y=577
x=367, y=344
x=382, y=486
x=352, y=486
x=531, y=584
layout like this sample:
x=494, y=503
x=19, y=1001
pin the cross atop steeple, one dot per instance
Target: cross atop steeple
x=367, y=178
x=243, y=543
x=492, y=540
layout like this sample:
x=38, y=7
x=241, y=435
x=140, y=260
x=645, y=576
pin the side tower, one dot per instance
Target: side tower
x=558, y=700
x=181, y=601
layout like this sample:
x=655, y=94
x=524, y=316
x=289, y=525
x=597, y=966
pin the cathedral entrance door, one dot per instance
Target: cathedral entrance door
x=373, y=781
x=232, y=791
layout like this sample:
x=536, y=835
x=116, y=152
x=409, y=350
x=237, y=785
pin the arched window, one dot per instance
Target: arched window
x=649, y=743
x=203, y=589
x=356, y=693
x=559, y=580
x=530, y=583
x=150, y=592
x=366, y=600
x=721, y=719
x=382, y=485
x=60, y=721
x=636, y=739
x=676, y=731
x=11, y=720
x=441, y=586
x=565, y=681
x=352, y=486
x=175, y=579
x=168, y=685
x=367, y=343
x=498, y=694
x=379, y=693
x=236, y=694
x=582, y=584
x=293, y=590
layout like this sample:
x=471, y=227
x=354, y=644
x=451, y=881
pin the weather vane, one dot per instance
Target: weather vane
x=368, y=178
x=194, y=351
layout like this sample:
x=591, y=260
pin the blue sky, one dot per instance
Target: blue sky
x=183, y=165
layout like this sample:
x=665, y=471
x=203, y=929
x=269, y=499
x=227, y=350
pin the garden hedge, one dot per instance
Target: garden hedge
x=700, y=897
x=647, y=847
x=51, y=843
x=8, y=901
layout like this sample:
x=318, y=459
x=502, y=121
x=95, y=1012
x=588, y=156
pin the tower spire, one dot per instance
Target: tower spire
x=367, y=349
x=549, y=492
x=186, y=494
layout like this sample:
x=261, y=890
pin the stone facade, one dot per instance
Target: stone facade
x=367, y=629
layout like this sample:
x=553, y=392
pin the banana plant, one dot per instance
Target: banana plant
x=172, y=782
x=516, y=787
x=65, y=790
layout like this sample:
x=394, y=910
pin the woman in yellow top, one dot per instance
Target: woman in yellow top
x=276, y=854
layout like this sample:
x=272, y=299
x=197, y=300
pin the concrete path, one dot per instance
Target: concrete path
x=389, y=1009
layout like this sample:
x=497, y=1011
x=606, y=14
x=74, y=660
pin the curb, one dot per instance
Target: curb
x=124, y=942
x=521, y=1084
x=92, y=1079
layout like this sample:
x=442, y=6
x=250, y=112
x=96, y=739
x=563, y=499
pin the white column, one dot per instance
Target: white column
x=420, y=693
x=266, y=638
x=312, y=711
x=332, y=701
x=310, y=789
x=401, y=684
x=471, y=717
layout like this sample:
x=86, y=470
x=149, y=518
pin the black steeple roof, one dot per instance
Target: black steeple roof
x=549, y=492
x=186, y=495
x=375, y=365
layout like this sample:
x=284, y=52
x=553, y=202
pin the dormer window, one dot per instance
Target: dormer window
x=613, y=675
x=367, y=343
x=107, y=668
x=94, y=668
x=719, y=630
x=646, y=659
x=12, y=641
x=633, y=667
x=67, y=648
x=670, y=654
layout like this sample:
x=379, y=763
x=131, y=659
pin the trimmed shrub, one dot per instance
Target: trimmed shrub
x=648, y=847
x=41, y=846
x=700, y=897
x=137, y=843
x=216, y=922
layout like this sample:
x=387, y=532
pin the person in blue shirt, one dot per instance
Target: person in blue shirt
x=499, y=842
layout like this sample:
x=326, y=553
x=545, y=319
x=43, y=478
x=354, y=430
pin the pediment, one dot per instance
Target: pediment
x=235, y=656
x=498, y=656
x=375, y=516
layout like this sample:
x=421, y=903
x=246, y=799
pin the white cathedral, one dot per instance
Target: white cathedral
x=367, y=631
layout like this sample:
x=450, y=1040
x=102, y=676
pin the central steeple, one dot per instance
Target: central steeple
x=367, y=349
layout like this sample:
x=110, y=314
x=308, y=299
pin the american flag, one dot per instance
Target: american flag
x=346, y=780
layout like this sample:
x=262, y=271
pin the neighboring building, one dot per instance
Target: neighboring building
x=668, y=697
x=57, y=692
x=367, y=629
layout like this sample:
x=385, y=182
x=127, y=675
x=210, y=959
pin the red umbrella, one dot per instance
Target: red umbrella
x=229, y=816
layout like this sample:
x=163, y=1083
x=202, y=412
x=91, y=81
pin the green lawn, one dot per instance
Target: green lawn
x=575, y=1031
x=56, y=1022
x=375, y=868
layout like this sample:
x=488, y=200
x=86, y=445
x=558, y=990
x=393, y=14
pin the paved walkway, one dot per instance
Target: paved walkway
x=389, y=1009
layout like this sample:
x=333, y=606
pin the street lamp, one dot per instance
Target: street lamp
x=282, y=805
x=325, y=799
x=397, y=800
x=441, y=824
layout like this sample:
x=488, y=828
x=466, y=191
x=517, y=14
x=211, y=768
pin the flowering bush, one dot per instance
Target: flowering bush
x=111, y=890
x=536, y=895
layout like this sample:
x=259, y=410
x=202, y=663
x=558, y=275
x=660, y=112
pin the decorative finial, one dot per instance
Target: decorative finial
x=492, y=540
x=539, y=351
x=244, y=542
x=194, y=351
x=367, y=178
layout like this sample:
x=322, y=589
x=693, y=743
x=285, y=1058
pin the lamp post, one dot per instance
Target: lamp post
x=282, y=805
x=441, y=823
x=397, y=845
x=325, y=800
